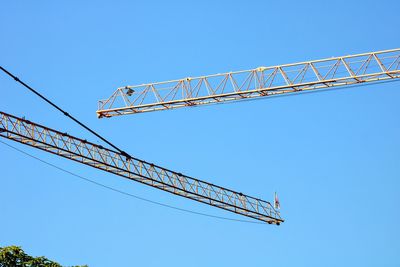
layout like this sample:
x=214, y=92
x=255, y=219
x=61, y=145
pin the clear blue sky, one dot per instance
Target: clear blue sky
x=333, y=157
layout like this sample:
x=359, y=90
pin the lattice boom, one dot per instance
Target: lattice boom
x=259, y=82
x=62, y=144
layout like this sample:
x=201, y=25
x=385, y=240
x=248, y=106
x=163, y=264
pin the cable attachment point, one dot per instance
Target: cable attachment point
x=126, y=155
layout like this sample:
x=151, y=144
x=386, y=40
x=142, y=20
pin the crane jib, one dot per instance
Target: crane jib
x=80, y=150
x=256, y=83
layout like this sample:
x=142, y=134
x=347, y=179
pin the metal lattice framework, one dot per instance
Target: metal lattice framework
x=259, y=82
x=67, y=146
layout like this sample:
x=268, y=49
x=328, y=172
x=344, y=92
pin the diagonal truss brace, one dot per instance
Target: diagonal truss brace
x=67, y=146
x=254, y=83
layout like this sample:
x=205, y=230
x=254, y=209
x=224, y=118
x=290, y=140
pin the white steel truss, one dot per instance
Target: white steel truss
x=254, y=83
x=67, y=146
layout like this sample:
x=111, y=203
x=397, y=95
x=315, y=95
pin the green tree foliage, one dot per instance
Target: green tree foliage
x=14, y=256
